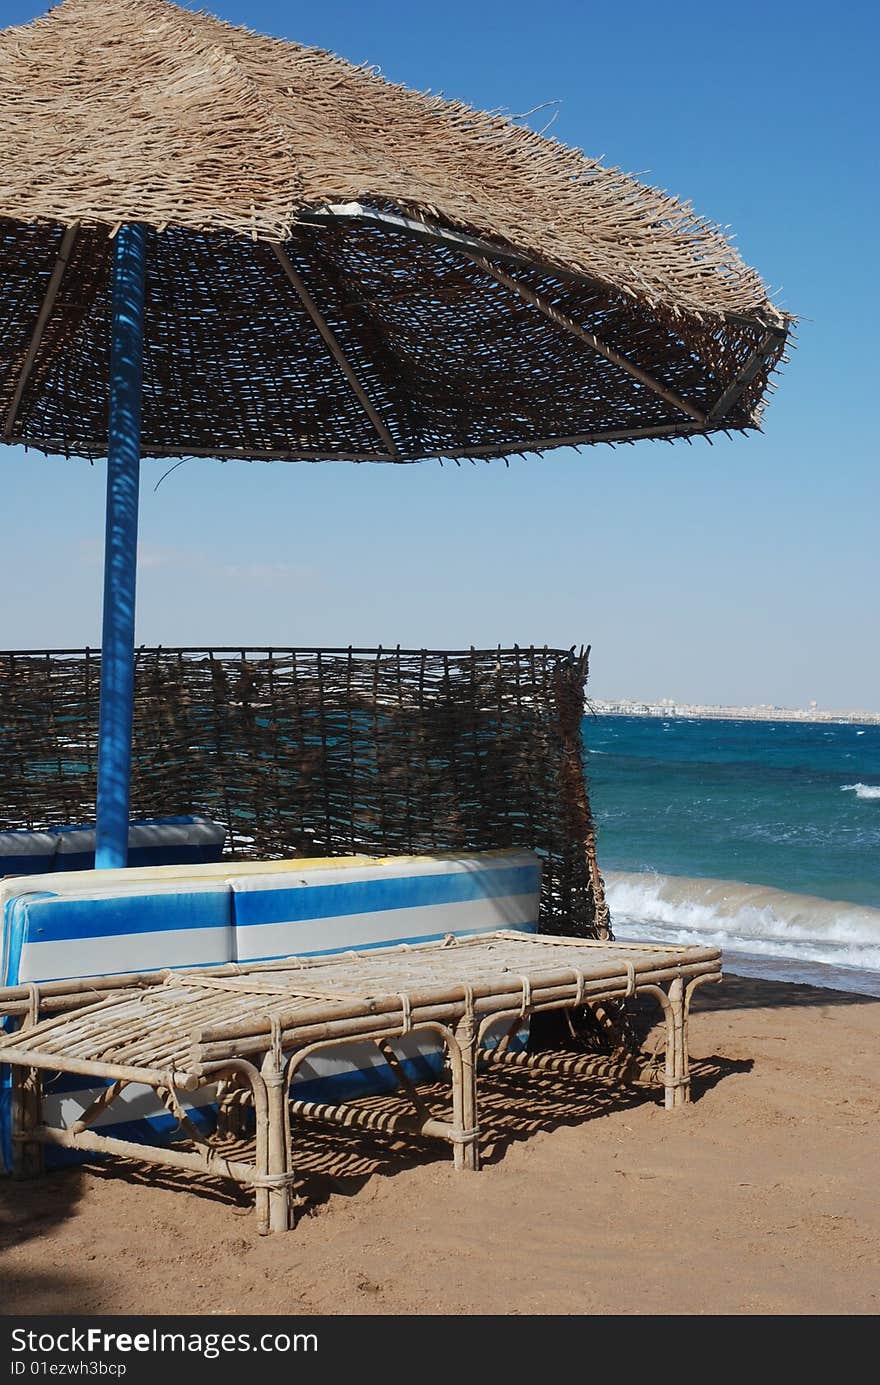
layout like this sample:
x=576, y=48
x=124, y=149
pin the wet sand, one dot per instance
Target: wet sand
x=758, y=1198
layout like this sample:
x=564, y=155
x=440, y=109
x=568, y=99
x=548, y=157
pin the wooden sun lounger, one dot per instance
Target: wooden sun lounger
x=246, y=1030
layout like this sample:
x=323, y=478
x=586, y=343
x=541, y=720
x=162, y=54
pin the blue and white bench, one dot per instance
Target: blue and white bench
x=90, y=923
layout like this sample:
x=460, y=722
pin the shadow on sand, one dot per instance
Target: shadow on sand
x=330, y=1161
x=29, y=1210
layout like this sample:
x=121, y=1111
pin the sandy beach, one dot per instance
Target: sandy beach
x=758, y=1199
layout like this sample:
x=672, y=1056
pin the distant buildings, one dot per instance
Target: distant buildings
x=766, y=712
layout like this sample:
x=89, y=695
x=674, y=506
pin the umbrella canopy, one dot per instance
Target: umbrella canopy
x=338, y=267
x=221, y=244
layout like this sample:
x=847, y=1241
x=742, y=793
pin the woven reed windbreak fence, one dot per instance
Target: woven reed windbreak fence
x=326, y=752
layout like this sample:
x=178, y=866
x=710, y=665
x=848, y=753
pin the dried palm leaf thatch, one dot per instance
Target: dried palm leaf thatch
x=340, y=267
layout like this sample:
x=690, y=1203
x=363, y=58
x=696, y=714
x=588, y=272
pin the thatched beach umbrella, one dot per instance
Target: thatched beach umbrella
x=218, y=244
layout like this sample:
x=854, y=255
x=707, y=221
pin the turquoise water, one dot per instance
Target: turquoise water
x=743, y=832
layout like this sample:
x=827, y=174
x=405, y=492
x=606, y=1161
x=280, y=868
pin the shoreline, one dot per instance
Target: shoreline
x=671, y=711
x=787, y=971
x=777, y=934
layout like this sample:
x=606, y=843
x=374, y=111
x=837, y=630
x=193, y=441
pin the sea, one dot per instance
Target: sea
x=762, y=837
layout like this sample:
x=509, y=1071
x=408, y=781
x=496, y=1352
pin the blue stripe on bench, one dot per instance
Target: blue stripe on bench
x=58, y=919
x=288, y=903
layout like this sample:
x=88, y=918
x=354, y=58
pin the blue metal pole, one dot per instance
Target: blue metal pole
x=120, y=548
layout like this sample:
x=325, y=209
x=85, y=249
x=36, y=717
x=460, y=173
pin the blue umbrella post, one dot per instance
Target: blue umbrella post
x=120, y=549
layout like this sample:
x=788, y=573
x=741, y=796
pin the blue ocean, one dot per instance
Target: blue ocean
x=763, y=837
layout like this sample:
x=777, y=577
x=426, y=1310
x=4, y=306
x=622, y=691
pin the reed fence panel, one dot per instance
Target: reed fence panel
x=326, y=752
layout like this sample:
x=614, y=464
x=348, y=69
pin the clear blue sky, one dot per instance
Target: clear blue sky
x=746, y=571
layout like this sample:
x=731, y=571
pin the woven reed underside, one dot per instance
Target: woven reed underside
x=453, y=362
x=322, y=753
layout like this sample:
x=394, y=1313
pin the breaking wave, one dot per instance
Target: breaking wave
x=862, y=790
x=756, y=920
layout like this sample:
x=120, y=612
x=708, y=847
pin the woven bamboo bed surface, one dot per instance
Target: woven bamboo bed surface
x=163, y=1023
x=291, y=309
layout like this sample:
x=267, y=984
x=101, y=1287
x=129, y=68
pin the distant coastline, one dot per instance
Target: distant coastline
x=666, y=708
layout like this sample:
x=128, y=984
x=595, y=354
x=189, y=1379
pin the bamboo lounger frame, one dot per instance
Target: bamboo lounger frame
x=246, y=1030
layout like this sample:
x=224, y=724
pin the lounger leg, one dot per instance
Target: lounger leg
x=278, y=1154
x=680, y=1076
x=672, y=1005
x=27, y=1107
x=466, y=1152
x=675, y=1003
x=697, y=981
x=261, y=1153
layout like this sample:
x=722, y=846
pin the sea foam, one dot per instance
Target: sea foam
x=752, y=919
x=862, y=790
